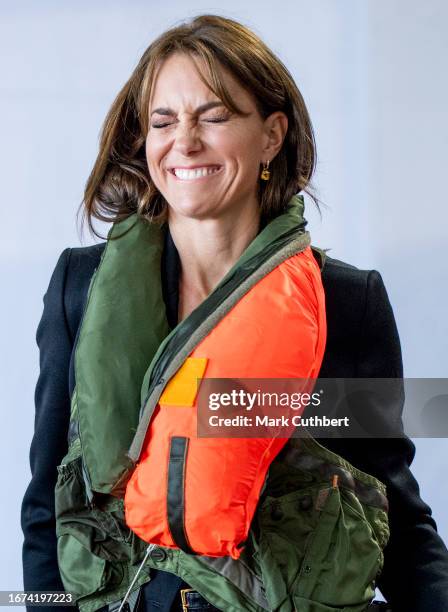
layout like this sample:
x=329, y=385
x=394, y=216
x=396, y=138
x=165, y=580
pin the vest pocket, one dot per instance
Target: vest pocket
x=94, y=542
x=320, y=550
x=82, y=572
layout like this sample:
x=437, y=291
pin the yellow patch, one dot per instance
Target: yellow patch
x=183, y=387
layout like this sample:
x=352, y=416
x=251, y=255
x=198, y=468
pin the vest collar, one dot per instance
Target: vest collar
x=171, y=261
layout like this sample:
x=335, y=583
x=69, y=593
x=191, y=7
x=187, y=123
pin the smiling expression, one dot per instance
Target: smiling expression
x=204, y=159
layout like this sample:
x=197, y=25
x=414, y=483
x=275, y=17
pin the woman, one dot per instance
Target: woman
x=209, y=140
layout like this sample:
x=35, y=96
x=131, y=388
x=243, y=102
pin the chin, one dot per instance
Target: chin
x=193, y=209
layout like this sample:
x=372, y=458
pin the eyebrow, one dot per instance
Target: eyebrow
x=198, y=110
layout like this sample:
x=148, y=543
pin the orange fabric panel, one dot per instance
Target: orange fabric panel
x=276, y=330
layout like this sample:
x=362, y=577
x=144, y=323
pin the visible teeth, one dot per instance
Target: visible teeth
x=184, y=174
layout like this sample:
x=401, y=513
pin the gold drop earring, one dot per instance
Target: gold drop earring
x=265, y=173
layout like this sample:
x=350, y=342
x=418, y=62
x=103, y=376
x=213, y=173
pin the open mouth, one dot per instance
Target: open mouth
x=184, y=174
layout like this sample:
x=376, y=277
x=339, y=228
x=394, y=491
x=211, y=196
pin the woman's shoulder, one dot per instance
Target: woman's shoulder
x=80, y=257
x=353, y=295
x=340, y=276
x=331, y=266
x=81, y=264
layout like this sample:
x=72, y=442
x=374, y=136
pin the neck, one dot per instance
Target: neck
x=208, y=248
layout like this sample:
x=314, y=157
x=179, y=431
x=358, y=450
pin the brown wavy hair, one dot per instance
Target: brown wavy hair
x=120, y=184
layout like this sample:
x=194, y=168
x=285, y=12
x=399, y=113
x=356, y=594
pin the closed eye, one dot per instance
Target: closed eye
x=214, y=120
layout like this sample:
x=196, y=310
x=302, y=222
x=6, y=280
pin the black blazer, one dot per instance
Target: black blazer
x=362, y=341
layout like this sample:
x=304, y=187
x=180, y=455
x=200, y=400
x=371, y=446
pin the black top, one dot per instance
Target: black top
x=170, y=280
x=362, y=341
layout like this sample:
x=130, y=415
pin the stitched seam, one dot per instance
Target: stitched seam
x=363, y=324
x=64, y=283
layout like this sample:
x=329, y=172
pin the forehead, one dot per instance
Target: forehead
x=177, y=82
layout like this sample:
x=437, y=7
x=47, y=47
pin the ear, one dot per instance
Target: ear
x=275, y=127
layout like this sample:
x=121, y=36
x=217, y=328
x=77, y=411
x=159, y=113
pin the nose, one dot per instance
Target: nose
x=186, y=139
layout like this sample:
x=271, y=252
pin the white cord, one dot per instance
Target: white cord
x=148, y=551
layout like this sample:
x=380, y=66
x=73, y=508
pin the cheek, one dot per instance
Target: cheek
x=154, y=152
x=149, y=154
x=243, y=146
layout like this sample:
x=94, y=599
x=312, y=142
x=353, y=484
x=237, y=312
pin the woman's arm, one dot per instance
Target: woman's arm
x=415, y=573
x=49, y=444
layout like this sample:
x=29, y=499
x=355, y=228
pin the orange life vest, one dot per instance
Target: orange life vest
x=200, y=493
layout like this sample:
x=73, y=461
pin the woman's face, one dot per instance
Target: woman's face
x=203, y=159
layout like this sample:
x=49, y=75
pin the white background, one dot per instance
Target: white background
x=373, y=74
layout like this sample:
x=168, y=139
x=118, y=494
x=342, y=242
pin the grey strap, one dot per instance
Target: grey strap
x=238, y=574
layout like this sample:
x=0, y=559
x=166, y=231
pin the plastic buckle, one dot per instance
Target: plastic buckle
x=183, y=597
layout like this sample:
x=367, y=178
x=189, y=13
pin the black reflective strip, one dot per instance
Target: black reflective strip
x=176, y=490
